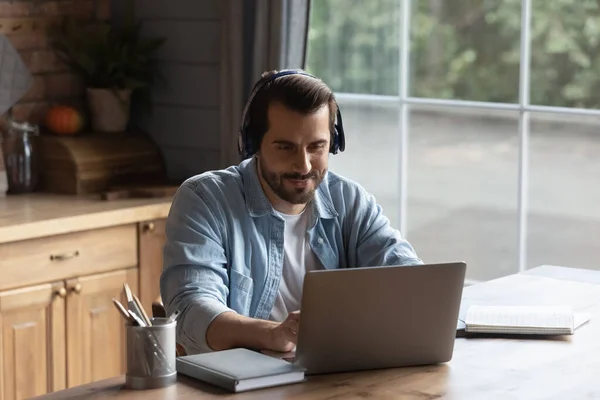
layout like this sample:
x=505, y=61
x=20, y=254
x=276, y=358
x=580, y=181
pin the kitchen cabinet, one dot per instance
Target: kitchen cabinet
x=62, y=334
x=32, y=337
x=151, y=243
x=58, y=325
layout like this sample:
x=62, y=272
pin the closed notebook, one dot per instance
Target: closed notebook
x=527, y=320
x=239, y=370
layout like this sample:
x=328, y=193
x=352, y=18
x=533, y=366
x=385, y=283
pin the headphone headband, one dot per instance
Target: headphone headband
x=245, y=147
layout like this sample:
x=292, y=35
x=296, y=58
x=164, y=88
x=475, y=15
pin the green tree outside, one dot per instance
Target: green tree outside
x=460, y=49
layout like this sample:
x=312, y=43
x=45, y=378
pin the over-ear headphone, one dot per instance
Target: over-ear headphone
x=245, y=143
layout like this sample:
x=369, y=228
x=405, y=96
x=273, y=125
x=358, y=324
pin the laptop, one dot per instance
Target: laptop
x=378, y=317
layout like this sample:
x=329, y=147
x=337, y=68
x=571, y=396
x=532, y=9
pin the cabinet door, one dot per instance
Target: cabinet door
x=32, y=341
x=151, y=242
x=95, y=329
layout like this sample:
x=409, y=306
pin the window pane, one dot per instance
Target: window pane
x=564, y=216
x=466, y=49
x=462, y=188
x=372, y=148
x=565, y=53
x=353, y=45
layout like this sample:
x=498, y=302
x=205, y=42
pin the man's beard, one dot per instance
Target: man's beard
x=292, y=195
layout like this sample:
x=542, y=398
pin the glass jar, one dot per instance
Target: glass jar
x=20, y=156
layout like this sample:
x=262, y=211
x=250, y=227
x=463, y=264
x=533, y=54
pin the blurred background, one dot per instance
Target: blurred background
x=463, y=172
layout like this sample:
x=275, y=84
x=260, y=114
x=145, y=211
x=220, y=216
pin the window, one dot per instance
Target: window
x=474, y=123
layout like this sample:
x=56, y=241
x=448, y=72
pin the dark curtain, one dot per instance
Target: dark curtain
x=257, y=36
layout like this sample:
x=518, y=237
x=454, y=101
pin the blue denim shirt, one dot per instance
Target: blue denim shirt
x=224, y=245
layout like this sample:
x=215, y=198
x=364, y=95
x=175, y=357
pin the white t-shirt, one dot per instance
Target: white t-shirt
x=298, y=258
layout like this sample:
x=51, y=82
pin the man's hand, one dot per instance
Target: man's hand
x=230, y=330
x=285, y=335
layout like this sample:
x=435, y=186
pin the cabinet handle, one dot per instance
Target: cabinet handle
x=62, y=292
x=149, y=227
x=76, y=288
x=64, y=256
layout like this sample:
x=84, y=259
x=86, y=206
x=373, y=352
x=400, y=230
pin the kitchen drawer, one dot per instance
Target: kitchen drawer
x=68, y=255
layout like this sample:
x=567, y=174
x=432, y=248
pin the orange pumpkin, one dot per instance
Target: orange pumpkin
x=64, y=120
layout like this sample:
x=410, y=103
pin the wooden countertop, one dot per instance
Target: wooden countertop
x=35, y=215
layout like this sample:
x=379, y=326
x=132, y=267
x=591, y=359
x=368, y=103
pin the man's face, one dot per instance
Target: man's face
x=293, y=156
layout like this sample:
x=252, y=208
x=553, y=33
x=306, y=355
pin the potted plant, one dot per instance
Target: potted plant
x=114, y=63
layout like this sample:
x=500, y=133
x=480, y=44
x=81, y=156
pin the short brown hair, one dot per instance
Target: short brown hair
x=301, y=93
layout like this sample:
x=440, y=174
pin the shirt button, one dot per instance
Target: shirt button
x=320, y=240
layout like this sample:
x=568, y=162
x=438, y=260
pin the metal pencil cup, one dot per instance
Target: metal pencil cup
x=151, y=355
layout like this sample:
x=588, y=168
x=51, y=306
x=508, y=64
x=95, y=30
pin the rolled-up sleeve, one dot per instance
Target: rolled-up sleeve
x=194, y=278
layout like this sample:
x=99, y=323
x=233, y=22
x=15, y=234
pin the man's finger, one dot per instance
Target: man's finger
x=294, y=316
x=289, y=324
x=289, y=334
x=292, y=321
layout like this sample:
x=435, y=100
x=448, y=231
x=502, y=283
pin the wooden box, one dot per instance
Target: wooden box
x=94, y=163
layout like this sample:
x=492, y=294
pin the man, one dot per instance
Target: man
x=240, y=240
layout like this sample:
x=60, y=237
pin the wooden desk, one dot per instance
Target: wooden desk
x=482, y=368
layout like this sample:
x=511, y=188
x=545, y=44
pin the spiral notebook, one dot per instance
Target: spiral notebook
x=526, y=320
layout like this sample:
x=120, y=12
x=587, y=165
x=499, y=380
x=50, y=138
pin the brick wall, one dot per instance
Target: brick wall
x=24, y=23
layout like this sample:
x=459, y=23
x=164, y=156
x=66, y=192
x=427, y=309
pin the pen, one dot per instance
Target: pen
x=121, y=309
x=137, y=319
x=173, y=316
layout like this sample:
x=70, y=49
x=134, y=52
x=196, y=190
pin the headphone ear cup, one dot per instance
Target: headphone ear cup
x=333, y=149
x=244, y=145
x=339, y=140
x=247, y=145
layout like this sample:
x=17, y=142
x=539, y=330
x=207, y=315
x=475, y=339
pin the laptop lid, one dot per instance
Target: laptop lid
x=379, y=317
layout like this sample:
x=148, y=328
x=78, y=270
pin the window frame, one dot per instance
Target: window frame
x=524, y=109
